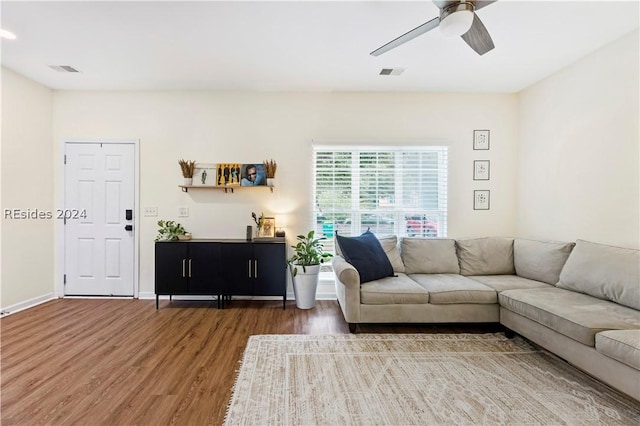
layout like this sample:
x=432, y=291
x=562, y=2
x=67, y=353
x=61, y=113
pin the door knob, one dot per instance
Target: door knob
x=128, y=227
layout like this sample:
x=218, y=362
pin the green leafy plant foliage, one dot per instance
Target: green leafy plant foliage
x=308, y=252
x=259, y=221
x=169, y=230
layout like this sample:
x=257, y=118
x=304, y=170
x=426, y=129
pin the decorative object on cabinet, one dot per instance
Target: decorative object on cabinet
x=481, y=200
x=170, y=231
x=253, y=174
x=268, y=229
x=305, y=268
x=481, y=140
x=270, y=167
x=481, y=169
x=259, y=221
x=280, y=233
x=187, y=168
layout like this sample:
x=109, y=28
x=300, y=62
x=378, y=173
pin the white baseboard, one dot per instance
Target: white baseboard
x=12, y=309
x=290, y=296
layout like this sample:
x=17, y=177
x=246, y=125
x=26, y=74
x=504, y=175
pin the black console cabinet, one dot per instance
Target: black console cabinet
x=222, y=268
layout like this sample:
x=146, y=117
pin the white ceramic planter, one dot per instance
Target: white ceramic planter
x=305, y=284
x=188, y=181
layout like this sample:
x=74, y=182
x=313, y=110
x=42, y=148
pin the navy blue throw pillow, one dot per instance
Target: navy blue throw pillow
x=366, y=255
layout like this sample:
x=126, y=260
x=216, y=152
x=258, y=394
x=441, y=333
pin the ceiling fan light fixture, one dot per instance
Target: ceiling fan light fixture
x=457, y=19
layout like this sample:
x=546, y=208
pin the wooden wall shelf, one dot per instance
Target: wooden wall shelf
x=186, y=188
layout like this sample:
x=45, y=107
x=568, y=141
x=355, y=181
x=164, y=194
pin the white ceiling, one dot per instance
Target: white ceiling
x=297, y=46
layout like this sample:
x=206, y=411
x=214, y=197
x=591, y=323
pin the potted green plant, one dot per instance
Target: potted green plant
x=171, y=231
x=305, y=268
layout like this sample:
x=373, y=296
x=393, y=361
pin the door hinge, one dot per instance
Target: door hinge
x=65, y=159
x=64, y=280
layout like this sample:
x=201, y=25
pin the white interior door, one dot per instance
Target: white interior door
x=99, y=190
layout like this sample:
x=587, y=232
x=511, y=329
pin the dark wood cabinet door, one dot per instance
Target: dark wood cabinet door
x=270, y=276
x=171, y=264
x=203, y=267
x=237, y=269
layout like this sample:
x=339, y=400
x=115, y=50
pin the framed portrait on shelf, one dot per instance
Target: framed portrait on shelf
x=481, y=200
x=253, y=174
x=268, y=229
x=481, y=139
x=204, y=174
x=227, y=174
x=481, y=169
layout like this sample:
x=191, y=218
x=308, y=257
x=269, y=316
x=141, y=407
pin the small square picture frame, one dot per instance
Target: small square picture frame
x=481, y=169
x=481, y=199
x=268, y=229
x=481, y=140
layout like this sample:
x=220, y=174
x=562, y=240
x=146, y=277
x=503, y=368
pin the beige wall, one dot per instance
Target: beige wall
x=27, y=183
x=578, y=156
x=564, y=156
x=245, y=127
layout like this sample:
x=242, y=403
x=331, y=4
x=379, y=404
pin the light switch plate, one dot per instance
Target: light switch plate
x=150, y=211
x=183, y=211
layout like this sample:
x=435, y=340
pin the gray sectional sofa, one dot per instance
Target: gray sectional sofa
x=579, y=300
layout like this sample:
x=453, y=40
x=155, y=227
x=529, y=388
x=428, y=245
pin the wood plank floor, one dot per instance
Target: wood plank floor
x=122, y=362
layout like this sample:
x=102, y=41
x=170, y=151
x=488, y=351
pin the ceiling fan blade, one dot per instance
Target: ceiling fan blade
x=427, y=26
x=478, y=37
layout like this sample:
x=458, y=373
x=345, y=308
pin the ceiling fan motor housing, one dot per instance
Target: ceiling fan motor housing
x=456, y=19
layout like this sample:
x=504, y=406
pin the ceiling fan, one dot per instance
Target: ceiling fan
x=457, y=18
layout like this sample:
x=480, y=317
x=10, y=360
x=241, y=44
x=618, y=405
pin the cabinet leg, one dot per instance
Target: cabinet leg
x=284, y=302
x=157, y=302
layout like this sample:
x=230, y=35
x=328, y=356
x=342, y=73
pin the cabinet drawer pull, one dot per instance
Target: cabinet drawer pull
x=249, y=268
x=255, y=269
x=183, y=268
x=189, y=268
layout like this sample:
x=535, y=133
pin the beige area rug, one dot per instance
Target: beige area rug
x=417, y=379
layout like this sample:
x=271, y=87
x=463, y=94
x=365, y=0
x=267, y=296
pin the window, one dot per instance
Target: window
x=400, y=190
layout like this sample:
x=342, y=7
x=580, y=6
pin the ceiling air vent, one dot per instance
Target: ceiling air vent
x=63, y=68
x=391, y=71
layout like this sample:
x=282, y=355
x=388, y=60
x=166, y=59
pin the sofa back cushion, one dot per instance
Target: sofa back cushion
x=390, y=247
x=540, y=260
x=486, y=256
x=429, y=256
x=605, y=272
x=366, y=254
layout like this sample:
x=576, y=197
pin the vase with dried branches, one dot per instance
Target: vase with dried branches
x=270, y=167
x=187, y=168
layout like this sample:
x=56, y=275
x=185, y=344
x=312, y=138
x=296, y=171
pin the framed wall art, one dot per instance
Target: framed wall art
x=204, y=174
x=253, y=174
x=228, y=174
x=481, y=139
x=481, y=200
x=481, y=169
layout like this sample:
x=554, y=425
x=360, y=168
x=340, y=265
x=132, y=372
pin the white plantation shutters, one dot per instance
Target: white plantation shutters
x=396, y=190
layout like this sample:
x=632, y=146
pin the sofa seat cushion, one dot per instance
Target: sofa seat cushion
x=605, y=272
x=453, y=288
x=575, y=315
x=393, y=290
x=508, y=282
x=540, y=260
x=621, y=345
x=486, y=256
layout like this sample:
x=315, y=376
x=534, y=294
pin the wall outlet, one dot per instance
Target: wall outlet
x=150, y=211
x=183, y=211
